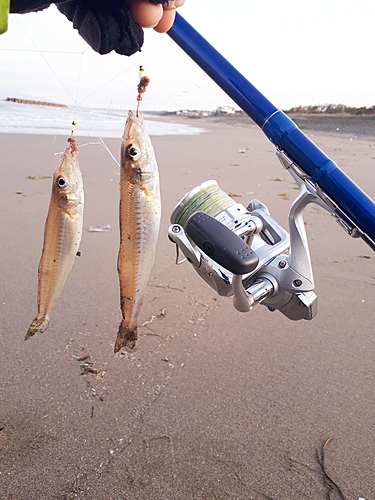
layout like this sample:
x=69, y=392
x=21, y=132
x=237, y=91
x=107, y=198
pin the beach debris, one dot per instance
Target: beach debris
x=277, y=179
x=70, y=342
x=161, y=314
x=234, y=195
x=62, y=235
x=83, y=355
x=99, y=229
x=329, y=482
x=86, y=367
x=75, y=487
x=242, y=151
x=140, y=210
x=168, y=287
x=284, y=196
x=34, y=441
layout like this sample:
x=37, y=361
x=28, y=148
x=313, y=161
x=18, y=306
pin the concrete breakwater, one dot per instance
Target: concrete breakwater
x=30, y=101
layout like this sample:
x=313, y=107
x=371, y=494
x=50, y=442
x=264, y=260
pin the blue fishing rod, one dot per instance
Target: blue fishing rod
x=358, y=210
x=243, y=251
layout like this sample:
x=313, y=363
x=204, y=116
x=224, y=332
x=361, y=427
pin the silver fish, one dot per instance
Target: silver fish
x=140, y=211
x=62, y=235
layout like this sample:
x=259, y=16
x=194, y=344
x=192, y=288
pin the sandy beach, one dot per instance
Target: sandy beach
x=213, y=404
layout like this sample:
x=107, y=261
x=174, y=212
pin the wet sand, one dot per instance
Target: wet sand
x=214, y=404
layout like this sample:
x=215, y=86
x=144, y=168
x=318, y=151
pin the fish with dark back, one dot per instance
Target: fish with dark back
x=62, y=235
x=140, y=211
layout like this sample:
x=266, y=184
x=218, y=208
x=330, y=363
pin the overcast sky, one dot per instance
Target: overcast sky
x=295, y=52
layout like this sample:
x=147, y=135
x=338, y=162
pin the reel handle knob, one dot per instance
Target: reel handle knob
x=221, y=244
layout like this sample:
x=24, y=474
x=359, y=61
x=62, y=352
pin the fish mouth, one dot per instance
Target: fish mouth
x=135, y=118
x=133, y=127
x=72, y=148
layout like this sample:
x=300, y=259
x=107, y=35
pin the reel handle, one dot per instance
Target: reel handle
x=221, y=244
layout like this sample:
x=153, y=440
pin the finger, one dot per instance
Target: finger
x=146, y=14
x=166, y=21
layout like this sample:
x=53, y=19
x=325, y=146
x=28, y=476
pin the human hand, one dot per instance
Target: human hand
x=106, y=26
x=159, y=16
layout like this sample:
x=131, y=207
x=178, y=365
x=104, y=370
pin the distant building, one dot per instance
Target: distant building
x=225, y=110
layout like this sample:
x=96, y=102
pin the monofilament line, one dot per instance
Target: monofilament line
x=68, y=92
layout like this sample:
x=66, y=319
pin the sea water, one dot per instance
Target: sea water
x=20, y=118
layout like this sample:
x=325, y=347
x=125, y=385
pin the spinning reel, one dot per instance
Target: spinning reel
x=244, y=253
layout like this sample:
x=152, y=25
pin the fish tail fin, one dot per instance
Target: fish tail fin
x=38, y=325
x=126, y=337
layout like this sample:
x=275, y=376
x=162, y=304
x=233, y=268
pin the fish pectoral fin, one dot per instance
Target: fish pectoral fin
x=147, y=192
x=69, y=214
x=38, y=325
x=126, y=337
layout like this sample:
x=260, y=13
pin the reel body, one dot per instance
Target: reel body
x=243, y=252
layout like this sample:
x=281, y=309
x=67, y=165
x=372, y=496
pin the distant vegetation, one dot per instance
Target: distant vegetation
x=333, y=109
x=339, y=110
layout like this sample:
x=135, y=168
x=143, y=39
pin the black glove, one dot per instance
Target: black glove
x=104, y=25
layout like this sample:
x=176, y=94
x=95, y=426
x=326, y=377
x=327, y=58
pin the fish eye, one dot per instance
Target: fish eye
x=62, y=182
x=132, y=152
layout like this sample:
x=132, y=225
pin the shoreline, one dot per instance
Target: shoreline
x=356, y=128
x=348, y=125
x=110, y=122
